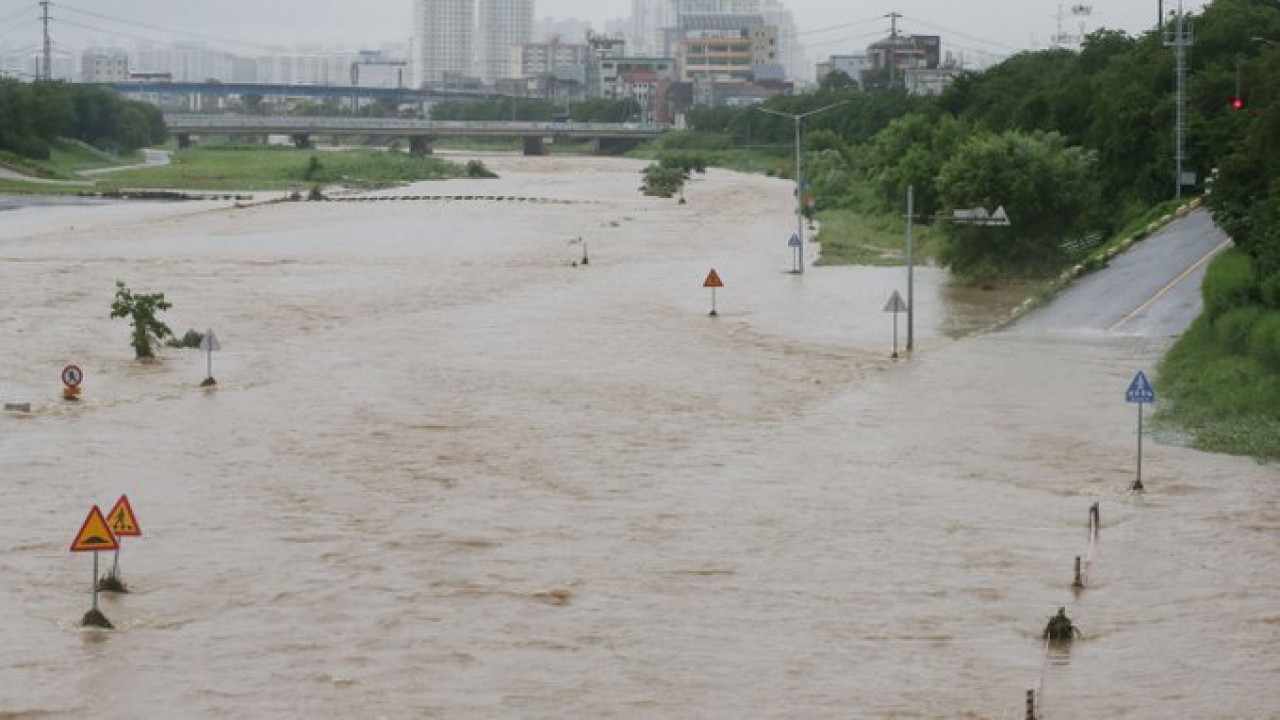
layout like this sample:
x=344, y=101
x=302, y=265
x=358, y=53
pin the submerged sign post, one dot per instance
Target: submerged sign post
x=95, y=536
x=795, y=245
x=713, y=282
x=72, y=376
x=123, y=523
x=1141, y=393
x=210, y=343
x=895, y=306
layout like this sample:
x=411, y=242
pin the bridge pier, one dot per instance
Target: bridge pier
x=302, y=141
x=420, y=145
x=534, y=146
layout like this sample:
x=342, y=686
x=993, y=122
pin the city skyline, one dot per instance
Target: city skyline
x=825, y=26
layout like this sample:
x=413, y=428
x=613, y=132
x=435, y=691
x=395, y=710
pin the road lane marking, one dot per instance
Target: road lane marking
x=1169, y=286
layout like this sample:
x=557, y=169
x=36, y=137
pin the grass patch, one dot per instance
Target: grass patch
x=850, y=237
x=71, y=156
x=1224, y=400
x=283, y=169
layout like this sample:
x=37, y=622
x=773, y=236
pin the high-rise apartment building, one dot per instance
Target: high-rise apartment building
x=790, y=51
x=648, y=19
x=504, y=27
x=443, y=39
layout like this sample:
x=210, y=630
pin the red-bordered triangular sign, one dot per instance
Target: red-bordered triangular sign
x=121, y=519
x=713, y=280
x=94, y=535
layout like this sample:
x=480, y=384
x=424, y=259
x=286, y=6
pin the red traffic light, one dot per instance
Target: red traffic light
x=1237, y=103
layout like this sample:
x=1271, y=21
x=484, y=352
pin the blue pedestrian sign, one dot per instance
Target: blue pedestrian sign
x=1140, y=390
x=794, y=241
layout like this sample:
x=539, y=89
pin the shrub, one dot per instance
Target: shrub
x=1233, y=328
x=1264, y=339
x=476, y=169
x=190, y=339
x=1230, y=282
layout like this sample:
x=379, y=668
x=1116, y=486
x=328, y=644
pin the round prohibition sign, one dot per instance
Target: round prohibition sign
x=72, y=375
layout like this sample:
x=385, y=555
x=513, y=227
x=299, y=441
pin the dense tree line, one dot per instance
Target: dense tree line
x=34, y=114
x=1072, y=144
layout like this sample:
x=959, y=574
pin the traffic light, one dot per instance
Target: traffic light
x=1237, y=102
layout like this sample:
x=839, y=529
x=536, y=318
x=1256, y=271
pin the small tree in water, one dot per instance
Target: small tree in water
x=142, y=310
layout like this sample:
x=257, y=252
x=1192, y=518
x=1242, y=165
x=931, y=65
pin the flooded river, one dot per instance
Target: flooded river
x=448, y=472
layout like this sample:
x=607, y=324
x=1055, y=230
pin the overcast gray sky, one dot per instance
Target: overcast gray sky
x=1001, y=26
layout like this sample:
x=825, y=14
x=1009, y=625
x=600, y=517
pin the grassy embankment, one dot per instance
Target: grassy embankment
x=1220, y=384
x=268, y=169
x=66, y=159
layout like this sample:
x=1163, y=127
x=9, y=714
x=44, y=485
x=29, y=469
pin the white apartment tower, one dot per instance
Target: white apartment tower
x=648, y=19
x=504, y=28
x=790, y=50
x=442, y=39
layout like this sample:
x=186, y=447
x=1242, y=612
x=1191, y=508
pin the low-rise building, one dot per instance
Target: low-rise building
x=104, y=66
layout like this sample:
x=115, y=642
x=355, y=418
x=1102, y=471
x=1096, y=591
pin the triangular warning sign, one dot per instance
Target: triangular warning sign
x=895, y=304
x=713, y=280
x=94, y=535
x=122, y=521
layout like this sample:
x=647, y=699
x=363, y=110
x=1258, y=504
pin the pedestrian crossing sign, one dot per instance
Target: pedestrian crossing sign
x=1140, y=391
x=121, y=519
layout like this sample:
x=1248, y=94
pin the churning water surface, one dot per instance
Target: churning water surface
x=448, y=471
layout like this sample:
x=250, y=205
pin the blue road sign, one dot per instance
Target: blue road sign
x=1140, y=390
x=794, y=241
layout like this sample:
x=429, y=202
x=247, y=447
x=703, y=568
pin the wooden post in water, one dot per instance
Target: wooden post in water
x=1031, y=705
x=1079, y=581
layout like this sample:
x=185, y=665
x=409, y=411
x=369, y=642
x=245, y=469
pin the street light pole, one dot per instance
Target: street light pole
x=911, y=286
x=796, y=118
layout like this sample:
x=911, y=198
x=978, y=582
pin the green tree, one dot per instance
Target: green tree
x=142, y=311
x=1047, y=189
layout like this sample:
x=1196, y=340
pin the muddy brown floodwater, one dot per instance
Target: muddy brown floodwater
x=446, y=473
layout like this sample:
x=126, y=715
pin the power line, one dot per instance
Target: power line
x=963, y=35
x=840, y=26
x=157, y=28
x=16, y=13
x=841, y=40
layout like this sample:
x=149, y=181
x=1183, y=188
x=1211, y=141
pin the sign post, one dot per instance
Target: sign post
x=713, y=282
x=1141, y=393
x=72, y=376
x=794, y=244
x=209, y=344
x=123, y=523
x=895, y=306
x=95, y=536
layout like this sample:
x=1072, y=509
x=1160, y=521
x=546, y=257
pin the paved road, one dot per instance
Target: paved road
x=1151, y=290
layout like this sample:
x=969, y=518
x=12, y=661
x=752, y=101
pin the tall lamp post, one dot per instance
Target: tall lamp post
x=799, y=195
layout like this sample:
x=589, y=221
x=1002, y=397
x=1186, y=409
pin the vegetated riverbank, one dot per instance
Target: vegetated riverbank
x=1222, y=379
x=262, y=169
x=1219, y=384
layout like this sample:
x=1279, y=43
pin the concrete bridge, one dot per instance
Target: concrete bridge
x=610, y=137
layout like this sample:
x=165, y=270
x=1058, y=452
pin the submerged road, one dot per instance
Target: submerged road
x=1151, y=290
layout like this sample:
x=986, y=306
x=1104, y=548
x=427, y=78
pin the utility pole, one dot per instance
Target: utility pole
x=1180, y=41
x=892, y=57
x=796, y=118
x=46, y=72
